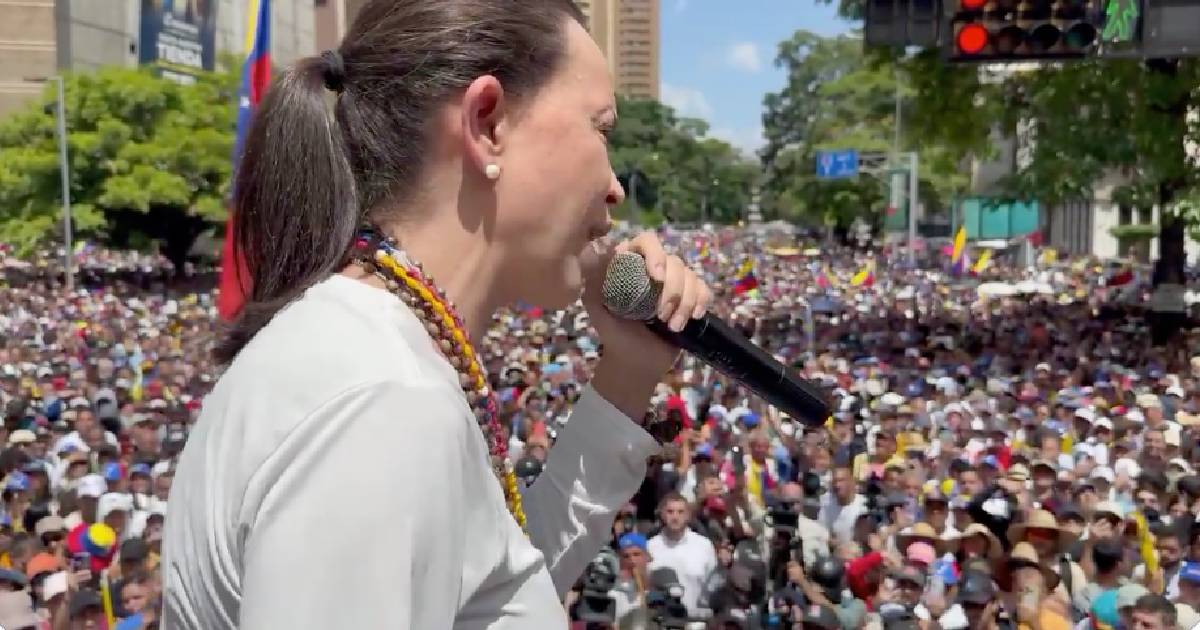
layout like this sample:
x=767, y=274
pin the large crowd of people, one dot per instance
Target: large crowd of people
x=1007, y=448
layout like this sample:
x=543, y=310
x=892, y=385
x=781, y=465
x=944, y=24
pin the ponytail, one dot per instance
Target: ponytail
x=295, y=207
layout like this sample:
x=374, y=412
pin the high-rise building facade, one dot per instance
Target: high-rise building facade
x=627, y=31
x=40, y=38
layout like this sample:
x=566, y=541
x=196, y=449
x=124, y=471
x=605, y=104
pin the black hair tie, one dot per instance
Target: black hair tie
x=334, y=71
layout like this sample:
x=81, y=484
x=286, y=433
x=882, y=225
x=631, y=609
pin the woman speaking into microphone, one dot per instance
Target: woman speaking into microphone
x=348, y=469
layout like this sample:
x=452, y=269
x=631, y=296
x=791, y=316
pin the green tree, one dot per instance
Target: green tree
x=837, y=97
x=1123, y=118
x=671, y=168
x=1092, y=119
x=149, y=158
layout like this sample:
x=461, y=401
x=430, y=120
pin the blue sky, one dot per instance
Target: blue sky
x=718, y=57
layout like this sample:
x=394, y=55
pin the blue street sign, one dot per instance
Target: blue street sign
x=836, y=164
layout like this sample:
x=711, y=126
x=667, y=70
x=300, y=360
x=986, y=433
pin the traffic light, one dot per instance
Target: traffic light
x=902, y=22
x=997, y=30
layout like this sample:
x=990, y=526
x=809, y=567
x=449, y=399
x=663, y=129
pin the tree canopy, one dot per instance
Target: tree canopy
x=671, y=168
x=838, y=97
x=150, y=160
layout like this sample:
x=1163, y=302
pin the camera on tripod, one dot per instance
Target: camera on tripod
x=784, y=516
x=665, y=600
x=595, y=604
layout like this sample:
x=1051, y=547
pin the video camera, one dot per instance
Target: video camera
x=872, y=492
x=665, y=600
x=595, y=604
x=784, y=516
x=812, y=494
x=784, y=519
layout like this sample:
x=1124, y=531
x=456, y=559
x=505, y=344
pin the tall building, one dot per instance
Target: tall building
x=333, y=18
x=40, y=38
x=627, y=31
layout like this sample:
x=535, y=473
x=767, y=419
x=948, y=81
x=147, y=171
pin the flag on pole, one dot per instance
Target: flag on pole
x=745, y=280
x=958, y=255
x=981, y=265
x=865, y=276
x=256, y=76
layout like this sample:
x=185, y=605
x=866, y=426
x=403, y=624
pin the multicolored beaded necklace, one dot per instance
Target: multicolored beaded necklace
x=379, y=255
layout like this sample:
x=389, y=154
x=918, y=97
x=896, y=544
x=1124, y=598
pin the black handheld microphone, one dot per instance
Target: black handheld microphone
x=630, y=293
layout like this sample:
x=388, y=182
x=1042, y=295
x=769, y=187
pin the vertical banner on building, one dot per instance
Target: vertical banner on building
x=179, y=37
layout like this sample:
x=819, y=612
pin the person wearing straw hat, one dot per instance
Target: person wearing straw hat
x=978, y=542
x=1034, y=583
x=1042, y=532
x=924, y=532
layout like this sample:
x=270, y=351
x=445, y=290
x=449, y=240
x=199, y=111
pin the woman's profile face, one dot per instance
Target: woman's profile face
x=556, y=187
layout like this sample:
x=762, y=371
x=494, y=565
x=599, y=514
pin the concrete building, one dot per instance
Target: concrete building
x=627, y=31
x=40, y=38
x=332, y=18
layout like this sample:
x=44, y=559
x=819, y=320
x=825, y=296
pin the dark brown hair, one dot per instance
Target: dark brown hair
x=307, y=181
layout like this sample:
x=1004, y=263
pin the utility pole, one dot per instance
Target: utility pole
x=899, y=120
x=913, y=176
x=897, y=183
x=65, y=169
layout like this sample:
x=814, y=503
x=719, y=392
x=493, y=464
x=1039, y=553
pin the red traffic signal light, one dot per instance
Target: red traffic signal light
x=971, y=39
x=994, y=30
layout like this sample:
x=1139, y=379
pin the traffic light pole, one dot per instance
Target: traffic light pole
x=897, y=196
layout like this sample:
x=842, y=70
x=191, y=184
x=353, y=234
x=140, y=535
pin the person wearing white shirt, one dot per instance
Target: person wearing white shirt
x=464, y=167
x=841, y=507
x=677, y=547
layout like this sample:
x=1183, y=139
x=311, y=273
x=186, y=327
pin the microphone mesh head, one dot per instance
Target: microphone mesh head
x=629, y=292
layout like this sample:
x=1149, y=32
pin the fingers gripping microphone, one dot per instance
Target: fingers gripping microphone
x=630, y=293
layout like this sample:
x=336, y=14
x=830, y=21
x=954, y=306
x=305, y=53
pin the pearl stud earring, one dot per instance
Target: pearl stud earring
x=492, y=171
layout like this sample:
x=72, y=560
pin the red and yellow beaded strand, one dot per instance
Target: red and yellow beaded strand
x=406, y=280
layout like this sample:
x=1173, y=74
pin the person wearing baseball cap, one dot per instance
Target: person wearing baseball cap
x=818, y=617
x=634, y=579
x=976, y=591
x=1189, y=584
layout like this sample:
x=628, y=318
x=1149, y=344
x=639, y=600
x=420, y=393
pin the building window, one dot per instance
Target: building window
x=1124, y=215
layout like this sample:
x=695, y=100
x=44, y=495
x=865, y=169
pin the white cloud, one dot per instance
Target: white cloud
x=686, y=101
x=744, y=56
x=749, y=140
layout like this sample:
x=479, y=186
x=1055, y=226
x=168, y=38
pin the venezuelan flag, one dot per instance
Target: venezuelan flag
x=745, y=280
x=865, y=276
x=256, y=76
x=958, y=255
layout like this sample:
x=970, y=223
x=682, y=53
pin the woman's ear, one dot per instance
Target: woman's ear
x=483, y=117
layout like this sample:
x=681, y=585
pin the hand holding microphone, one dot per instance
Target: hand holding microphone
x=647, y=306
x=631, y=293
x=635, y=359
